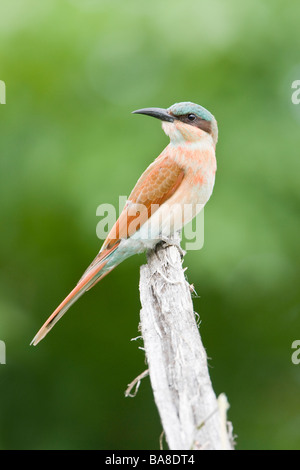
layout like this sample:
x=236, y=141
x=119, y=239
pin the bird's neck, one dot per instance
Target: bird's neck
x=184, y=135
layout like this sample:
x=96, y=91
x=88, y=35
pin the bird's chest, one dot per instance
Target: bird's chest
x=199, y=163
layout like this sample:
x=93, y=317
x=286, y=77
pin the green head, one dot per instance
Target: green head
x=187, y=113
x=186, y=108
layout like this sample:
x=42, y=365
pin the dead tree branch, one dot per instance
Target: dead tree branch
x=191, y=415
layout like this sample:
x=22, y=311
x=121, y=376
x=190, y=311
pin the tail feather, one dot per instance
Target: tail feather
x=93, y=274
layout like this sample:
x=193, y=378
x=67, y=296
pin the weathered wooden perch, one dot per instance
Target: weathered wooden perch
x=191, y=415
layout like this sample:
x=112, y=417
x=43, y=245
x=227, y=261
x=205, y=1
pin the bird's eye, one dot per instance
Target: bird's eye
x=191, y=117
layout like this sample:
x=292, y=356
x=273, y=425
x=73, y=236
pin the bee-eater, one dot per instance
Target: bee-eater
x=183, y=175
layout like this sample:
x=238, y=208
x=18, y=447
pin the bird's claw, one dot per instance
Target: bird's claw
x=174, y=242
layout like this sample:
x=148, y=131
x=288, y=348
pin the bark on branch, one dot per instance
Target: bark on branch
x=191, y=415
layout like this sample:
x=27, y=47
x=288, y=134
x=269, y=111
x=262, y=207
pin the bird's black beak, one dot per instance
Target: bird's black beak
x=158, y=113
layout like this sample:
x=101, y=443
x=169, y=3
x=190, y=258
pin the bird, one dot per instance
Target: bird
x=182, y=176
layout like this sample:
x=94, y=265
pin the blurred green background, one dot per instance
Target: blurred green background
x=74, y=71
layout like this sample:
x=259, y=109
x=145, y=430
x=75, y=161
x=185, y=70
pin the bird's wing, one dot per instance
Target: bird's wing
x=156, y=185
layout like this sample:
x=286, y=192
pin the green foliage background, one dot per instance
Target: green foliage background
x=74, y=71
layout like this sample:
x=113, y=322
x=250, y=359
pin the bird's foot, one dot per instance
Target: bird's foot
x=174, y=242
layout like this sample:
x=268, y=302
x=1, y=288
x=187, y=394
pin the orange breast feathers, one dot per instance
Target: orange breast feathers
x=161, y=180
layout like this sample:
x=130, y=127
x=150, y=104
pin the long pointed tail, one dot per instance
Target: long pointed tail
x=97, y=270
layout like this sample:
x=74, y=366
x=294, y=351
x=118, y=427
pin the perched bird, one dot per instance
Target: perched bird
x=172, y=190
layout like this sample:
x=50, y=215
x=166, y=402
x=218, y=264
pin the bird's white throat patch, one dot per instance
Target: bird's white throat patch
x=181, y=134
